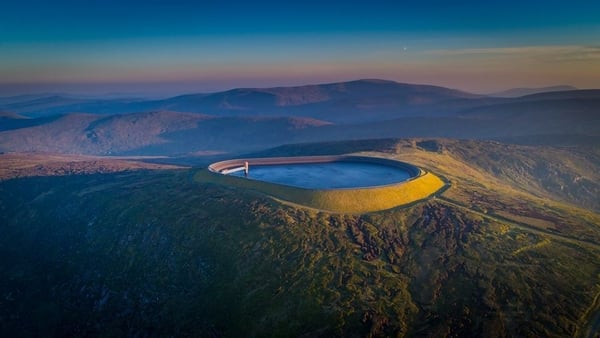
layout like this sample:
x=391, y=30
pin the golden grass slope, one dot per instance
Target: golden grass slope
x=481, y=190
x=360, y=200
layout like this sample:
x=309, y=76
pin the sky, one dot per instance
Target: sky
x=162, y=48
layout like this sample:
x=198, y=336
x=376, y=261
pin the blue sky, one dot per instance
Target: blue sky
x=178, y=46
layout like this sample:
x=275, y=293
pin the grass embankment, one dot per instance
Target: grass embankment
x=341, y=200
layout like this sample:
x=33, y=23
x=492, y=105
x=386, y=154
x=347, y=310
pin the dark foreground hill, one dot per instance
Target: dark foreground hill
x=158, y=254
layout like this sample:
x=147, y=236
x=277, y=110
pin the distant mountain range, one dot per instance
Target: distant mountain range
x=242, y=120
x=357, y=101
x=517, y=92
x=340, y=102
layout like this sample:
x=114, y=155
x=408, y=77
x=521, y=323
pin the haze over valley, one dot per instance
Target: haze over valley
x=242, y=120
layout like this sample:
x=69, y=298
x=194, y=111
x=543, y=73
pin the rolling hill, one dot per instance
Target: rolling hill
x=150, y=133
x=157, y=253
x=16, y=165
x=50, y=105
x=360, y=100
x=518, y=92
x=353, y=101
x=499, y=121
x=10, y=121
x=243, y=120
x=344, y=102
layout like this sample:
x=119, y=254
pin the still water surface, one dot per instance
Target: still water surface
x=331, y=175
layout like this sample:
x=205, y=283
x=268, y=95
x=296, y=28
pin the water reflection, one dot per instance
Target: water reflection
x=331, y=175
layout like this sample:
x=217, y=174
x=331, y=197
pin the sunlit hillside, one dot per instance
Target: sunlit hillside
x=162, y=253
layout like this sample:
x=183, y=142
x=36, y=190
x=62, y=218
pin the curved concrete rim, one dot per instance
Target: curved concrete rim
x=414, y=172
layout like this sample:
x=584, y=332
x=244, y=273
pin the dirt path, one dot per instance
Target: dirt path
x=590, y=321
x=527, y=227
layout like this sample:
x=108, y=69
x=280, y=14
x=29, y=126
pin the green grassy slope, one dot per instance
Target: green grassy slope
x=156, y=253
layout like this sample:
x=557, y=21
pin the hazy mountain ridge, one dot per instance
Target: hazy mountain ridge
x=95, y=134
x=12, y=121
x=570, y=94
x=155, y=133
x=321, y=101
x=559, y=122
x=518, y=92
x=340, y=102
x=250, y=119
x=42, y=106
x=9, y=115
x=359, y=100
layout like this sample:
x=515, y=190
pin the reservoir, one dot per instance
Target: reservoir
x=328, y=175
